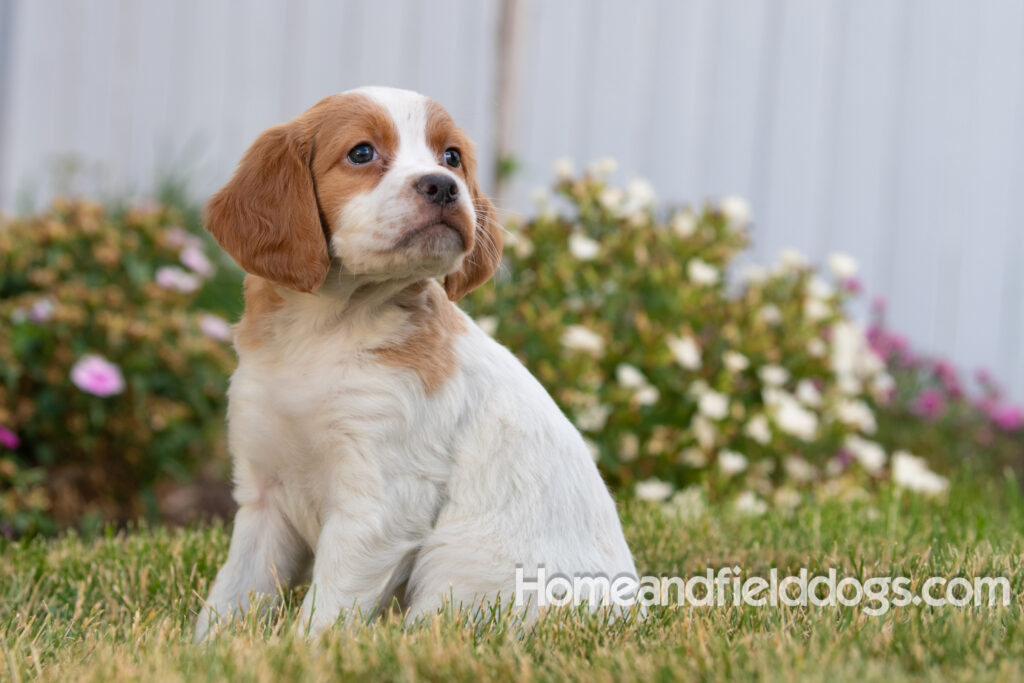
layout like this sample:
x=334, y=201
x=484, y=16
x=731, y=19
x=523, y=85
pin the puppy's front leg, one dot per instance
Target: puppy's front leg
x=265, y=552
x=356, y=562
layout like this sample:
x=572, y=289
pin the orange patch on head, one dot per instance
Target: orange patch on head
x=428, y=347
x=337, y=124
x=484, y=255
x=269, y=216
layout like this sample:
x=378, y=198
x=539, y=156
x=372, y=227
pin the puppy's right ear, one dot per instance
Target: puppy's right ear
x=266, y=217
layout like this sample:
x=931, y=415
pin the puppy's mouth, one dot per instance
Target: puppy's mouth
x=438, y=233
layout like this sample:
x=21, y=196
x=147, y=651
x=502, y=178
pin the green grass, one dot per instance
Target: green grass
x=122, y=607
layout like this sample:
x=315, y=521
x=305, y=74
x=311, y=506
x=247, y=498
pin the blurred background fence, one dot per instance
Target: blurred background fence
x=890, y=129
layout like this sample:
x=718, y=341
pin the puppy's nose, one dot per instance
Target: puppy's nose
x=439, y=188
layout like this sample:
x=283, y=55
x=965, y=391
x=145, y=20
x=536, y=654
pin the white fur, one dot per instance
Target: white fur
x=348, y=462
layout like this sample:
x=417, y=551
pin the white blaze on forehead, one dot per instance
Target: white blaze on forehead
x=408, y=110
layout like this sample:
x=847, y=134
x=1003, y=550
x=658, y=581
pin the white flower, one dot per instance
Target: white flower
x=595, y=452
x=799, y=469
x=687, y=504
x=629, y=447
x=519, y=243
x=869, y=454
x=843, y=266
x=592, y=418
x=790, y=416
x=852, y=358
x=911, y=472
x=488, y=323
x=564, y=169
x=630, y=376
x=773, y=375
x=686, y=351
x=647, y=396
x=701, y=273
x=736, y=210
x=791, y=259
x=611, y=198
x=770, y=314
x=705, y=432
x=758, y=429
x=754, y=274
x=734, y=361
x=693, y=457
x=215, y=327
x=807, y=393
x=713, y=405
x=583, y=248
x=193, y=258
x=684, y=223
x=653, y=489
x=748, y=503
x=602, y=168
x=176, y=279
x=816, y=347
x=856, y=414
x=819, y=289
x=731, y=463
x=580, y=338
x=816, y=309
x=882, y=386
x=639, y=194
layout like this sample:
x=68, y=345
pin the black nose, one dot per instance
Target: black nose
x=439, y=188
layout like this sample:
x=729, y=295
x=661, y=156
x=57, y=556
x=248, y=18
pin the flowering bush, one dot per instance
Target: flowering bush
x=108, y=381
x=756, y=386
x=934, y=409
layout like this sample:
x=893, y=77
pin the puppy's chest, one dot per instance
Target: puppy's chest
x=323, y=422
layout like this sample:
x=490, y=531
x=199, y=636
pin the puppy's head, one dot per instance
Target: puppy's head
x=380, y=179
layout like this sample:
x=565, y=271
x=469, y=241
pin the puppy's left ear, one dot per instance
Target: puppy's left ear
x=485, y=256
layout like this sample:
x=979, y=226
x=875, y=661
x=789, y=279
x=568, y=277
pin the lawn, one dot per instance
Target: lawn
x=122, y=606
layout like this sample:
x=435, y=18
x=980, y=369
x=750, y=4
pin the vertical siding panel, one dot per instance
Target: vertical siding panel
x=794, y=169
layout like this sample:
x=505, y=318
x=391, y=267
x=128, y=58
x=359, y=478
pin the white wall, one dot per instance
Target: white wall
x=892, y=129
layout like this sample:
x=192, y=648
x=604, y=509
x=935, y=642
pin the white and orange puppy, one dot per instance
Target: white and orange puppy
x=378, y=435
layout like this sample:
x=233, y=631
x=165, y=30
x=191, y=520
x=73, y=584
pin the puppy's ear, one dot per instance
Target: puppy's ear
x=266, y=217
x=484, y=258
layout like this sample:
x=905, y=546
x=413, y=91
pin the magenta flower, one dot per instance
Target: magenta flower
x=8, y=438
x=176, y=279
x=194, y=258
x=1007, y=417
x=853, y=285
x=96, y=375
x=215, y=327
x=930, y=403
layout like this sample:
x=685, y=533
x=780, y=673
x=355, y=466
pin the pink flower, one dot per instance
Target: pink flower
x=42, y=310
x=96, y=375
x=176, y=279
x=930, y=404
x=215, y=327
x=853, y=285
x=194, y=258
x=879, y=304
x=8, y=438
x=178, y=237
x=1007, y=417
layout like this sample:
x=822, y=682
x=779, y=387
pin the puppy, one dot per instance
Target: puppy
x=380, y=439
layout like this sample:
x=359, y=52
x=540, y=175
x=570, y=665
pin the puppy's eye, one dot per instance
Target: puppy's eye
x=362, y=154
x=452, y=157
